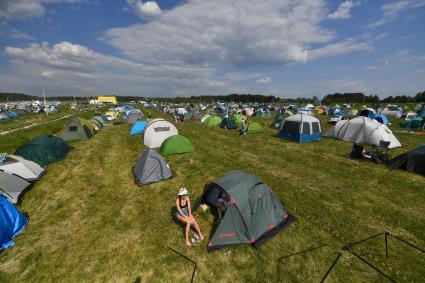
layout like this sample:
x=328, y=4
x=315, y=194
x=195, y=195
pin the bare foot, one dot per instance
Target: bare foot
x=188, y=243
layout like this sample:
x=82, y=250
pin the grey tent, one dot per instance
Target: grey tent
x=12, y=186
x=151, y=168
x=21, y=167
x=413, y=161
x=133, y=116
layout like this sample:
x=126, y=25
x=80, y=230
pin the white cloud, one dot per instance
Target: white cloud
x=242, y=33
x=343, y=11
x=27, y=9
x=145, y=10
x=392, y=10
x=265, y=80
x=370, y=68
x=343, y=47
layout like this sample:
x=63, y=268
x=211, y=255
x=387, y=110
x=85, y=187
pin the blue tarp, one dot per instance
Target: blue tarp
x=138, y=128
x=12, y=222
x=301, y=138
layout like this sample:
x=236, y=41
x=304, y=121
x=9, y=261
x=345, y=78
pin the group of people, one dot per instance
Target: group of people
x=184, y=214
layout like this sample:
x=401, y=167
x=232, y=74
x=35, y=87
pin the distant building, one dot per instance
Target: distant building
x=107, y=100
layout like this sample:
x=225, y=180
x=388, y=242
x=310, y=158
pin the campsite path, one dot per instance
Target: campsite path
x=32, y=125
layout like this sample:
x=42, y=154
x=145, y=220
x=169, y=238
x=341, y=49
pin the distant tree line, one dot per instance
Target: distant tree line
x=355, y=97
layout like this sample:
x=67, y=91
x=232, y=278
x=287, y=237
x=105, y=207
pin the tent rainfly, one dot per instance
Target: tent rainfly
x=363, y=130
x=151, y=168
x=156, y=131
x=412, y=161
x=175, y=144
x=76, y=130
x=12, y=222
x=138, y=128
x=301, y=128
x=12, y=186
x=21, y=167
x=254, y=213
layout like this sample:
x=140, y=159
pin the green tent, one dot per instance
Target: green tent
x=253, y=128
x=414, y=123
x=238, y=118
x=44, y=150
x=254, y=213
x=278, y=119
x=213, y=121
x=228, y=123
x=77, y=129
x=175, y=144
x=96, y=124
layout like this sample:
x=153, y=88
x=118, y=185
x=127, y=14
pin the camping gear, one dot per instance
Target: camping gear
x=228, y=123
x=238, y=118
x=175, y=144
x=301, y=128
x=254, y=128
x=44, y=150
x=156, y=131
x=76, y=130
x=212, y=121
x=278, y=120
x=413, y=123
x=363, y=130
x=254, y=213
x=138, y=128
x=412, y=161
x=21, y=167
x=381, y=118
x=96, y=124
x=12, y=186
x=151, y=168
x=12, y=222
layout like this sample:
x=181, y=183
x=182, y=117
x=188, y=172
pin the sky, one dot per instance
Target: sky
x=168, y=48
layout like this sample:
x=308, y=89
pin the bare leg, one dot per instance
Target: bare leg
x=195, y=224
x=187, y=228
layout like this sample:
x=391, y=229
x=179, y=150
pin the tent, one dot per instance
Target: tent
x=421, y=112
x=414, y=123
x=238, y=118
x=228, y=123
x=411, y=115
x=76, y=130
x=151, y=168
x=96, y=124
x=44, y=150
x=254, y=128
x=21, y=167
x=412, y=161
x=134, y=115
x=138, y=128
x=156, y=131
x=301, y=128
x=12, y=222
x=12, y=186
x=368, y=112
x=363, y=130
x=254, y=213
x=175, y=144
x=381, y=118
x=212, y=121
x=278, y=120
x=3, y=116
x=101, y=119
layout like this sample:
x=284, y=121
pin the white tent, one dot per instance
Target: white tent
x=21, y=167
x=204, y=118
x=363, y=130
x=411, y=115
x=157, y=131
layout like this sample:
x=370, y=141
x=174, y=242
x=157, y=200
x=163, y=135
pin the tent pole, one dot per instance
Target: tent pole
x=332, y=266
x=376, y=269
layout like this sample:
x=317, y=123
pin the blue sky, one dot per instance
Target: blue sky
x=292, y=48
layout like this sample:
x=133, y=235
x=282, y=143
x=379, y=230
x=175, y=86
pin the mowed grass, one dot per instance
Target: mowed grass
x=90, y=222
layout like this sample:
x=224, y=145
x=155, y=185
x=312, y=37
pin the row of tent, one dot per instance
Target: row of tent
x=81, y=129
x=231, y=122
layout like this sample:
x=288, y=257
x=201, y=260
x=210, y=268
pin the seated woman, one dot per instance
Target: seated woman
x=184, y=214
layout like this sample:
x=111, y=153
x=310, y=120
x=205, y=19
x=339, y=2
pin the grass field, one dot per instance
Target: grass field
x=90, y=222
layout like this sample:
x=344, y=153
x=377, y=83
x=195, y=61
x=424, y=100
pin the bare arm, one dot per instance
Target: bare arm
x=189, y=207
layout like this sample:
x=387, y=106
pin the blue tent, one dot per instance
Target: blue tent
x=381, y=118
x=138, y=128
x=301, y=128
x=421, y=112
x=12, y=222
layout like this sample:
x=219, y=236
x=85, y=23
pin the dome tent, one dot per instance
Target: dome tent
x=12, y=186
x=44, y=150
x=21, y=167
x=363, y=130
x=254, y=213
x=138, y=127
x=212, y=121
x=77, y=129
x=134, y=115
x=238, y=118
x=254, y=128
x=175, y=144
x=301, y=128
x=414, y=123
x=151, y=168
x=156, y=131
x=12, y=222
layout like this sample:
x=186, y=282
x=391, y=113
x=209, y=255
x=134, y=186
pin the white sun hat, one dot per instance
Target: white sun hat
x=183, y=191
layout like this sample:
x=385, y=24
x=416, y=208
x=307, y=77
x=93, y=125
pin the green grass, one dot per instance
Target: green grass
x=90, y=222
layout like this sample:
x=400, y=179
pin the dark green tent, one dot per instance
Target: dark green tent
x=253, y=128
x=254, y=213
x=175, y=144
x=228, y=123
x=414, y=123
x=77, y=129
x=44, y=150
